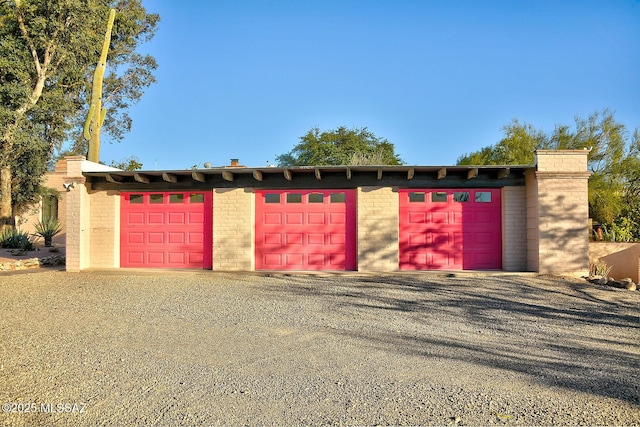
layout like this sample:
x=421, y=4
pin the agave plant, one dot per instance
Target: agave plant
x=15, y=239
x=48, y=228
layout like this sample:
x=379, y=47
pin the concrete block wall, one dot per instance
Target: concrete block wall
x=533, y=230
x=514, y=229
x=233, y=230
x=378, y=214
x=104, y=226
x=562, y=212
x=78, y=217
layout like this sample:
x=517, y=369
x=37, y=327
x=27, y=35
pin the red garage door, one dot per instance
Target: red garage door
x=166, y=230
x=450, y=229
x=305, y=230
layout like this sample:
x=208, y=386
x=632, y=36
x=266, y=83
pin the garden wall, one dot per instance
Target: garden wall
x=624, y=258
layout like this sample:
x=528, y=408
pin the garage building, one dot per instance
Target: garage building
x=331, y=218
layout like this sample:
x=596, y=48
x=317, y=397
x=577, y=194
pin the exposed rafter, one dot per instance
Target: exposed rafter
x=169, y=177
x=348, y=171
x=198, y=176
x=116, y=179
x=318, y=174
x=472, y=173
x=227, y=176
x=287, y=175
x=141, y=178
x=257, y=175
x=504, y=173
x=380, y=173
x=410, y=173
x=442, y=173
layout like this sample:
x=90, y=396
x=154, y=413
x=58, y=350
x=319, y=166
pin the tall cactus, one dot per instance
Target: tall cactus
x=93, y=124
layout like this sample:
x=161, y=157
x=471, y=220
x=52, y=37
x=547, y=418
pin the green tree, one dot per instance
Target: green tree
x=341, y=146
x=129, y=164
x=614, y=159
x=48, y=49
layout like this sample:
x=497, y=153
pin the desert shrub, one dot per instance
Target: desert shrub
x=16, y=239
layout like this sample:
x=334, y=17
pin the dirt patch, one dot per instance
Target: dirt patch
x=195, y=348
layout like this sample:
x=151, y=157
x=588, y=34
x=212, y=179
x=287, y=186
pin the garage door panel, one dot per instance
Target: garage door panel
x=155, y=218
x=294, y=238
x=316, y=225
x=272, y=239
x=155, y=238
x=315, y=239
x=317, y=260
x=294, y=218
x=461, y=230
x=135, y=218
x=292, y=259
x=176, y=217
x=195, y=238
x=156, y=258
x=134, y=237
x=272, y=218
x=272, y=260
x=161, y=230
x=315, y=219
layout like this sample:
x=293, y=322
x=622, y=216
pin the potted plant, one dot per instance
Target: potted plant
x=48, y=228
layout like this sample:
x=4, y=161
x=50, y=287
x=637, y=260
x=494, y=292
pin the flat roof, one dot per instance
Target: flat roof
x=311, y=177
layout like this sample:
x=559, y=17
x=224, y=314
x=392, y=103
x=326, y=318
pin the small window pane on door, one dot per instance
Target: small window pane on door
x=156, y=198
x=460, y=196
x=294, y=198
x=136, y=198
x=439, y=197
x=483, y=197
x=272, y=198
x=176, y=198
x=416, y=197
x=196, y=198
x=316, y=198
x=338, y=198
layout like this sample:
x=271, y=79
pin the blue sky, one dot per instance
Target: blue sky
x=245, y=79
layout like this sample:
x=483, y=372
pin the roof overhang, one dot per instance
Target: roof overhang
x=312, y=177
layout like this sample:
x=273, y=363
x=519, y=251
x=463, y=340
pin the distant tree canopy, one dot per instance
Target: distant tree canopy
x=614, y=187
x=341, y=146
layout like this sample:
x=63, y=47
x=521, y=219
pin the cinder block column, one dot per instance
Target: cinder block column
x=233, y=229
x=105, y=229
x=562, y=211
x=514, y=229
x=378, y=229
x=77, y=216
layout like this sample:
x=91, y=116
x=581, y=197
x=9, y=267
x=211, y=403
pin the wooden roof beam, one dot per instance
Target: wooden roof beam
x=380, y=173
x=442, y=173
x=503, y=173
x=227, y=176
x=410, y=173
x=141, y=178
x=318, y=174
x=116, y=179
x=287, y=175
x=472, y=173
x=198, y=176
x=257, y=175
x=348, y=173
x=168, y=177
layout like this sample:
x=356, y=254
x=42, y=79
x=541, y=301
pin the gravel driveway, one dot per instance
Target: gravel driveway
x=193, y=348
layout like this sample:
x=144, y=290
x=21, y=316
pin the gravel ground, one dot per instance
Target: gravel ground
x=194, y=348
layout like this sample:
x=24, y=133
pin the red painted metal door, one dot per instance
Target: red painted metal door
x=450, y=229
x=305, y=230
x=166, y=230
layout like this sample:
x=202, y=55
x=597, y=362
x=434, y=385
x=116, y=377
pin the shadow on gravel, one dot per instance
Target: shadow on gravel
x=561, y=333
